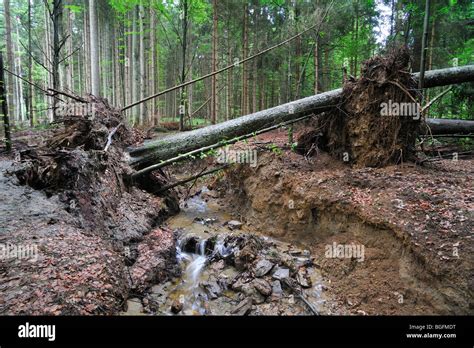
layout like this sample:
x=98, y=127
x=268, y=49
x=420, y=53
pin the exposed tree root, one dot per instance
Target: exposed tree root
x=357, y=131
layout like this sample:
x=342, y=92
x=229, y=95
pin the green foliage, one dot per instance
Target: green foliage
x=74, y=8
x=275, y=149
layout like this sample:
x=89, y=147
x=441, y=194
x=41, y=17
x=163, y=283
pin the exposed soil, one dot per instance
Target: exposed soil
x=102, y=241
x=415, y=222
x=356, y=131
x=97, y=237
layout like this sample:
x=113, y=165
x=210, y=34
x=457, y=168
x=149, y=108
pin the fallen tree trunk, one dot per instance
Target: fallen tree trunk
x=443, y=126
x=174, y=145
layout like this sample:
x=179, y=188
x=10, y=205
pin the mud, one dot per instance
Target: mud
x=415, y=223
x=96, y=238
x=228, y=269
x=356, y=131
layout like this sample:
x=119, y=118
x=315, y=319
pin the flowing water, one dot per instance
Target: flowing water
x=201, y=220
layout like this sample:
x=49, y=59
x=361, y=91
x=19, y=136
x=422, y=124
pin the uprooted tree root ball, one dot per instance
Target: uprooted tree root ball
x=100, y=232
x=357, y=131
x=83, y=161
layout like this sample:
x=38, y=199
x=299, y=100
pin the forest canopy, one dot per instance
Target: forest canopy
x=146, y=46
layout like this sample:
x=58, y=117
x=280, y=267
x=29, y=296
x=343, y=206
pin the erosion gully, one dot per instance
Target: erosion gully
x=220, y=277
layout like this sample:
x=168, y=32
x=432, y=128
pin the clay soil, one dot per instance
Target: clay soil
x=415, y=223
x=97, y=239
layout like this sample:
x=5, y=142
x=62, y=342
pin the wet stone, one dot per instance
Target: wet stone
x=262, y=267
x=212, y=288
x=262, y=286
x=240, y=281
x=276, y=288
x=205, y=221
x=281, y=273
x=243, y=308
x=176, y=306
x=134, y=307
x=234, y=225
x=250, y=291
x=218, y=266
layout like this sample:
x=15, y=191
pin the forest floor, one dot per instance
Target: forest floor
x=414, y=222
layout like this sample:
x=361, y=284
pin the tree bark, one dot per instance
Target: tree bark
x=143, y=77
x=48, y=64
x=171, y=146
x=154, y=67
x=11, y=90
x=135, y=64
x=184, y=44
x=3, y=100
x=21, y=107
x=30, y=70
x=94, y=49
x=214, y=63
x=57, y=17
x=244, y=69
x=446, y=126
x=424, y=47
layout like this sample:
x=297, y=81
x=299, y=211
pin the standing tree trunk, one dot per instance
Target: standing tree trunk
x=143, y=77
x=3, y=100
x=182, y=111
x=69, y=69
x=48, y=63
x=57, y=18
x=94, y=49
x=11, y=91
x=135, y=62
x=128, y=70
x=316, y=65
x=356, y=53
x=430, y=61
x=228, y=113
x=244, y=69
x=118, y=81
x=30, y=71
x=423, y=47
x=214, y=63
x=154, y=67
x=19, y=83
x=87, y=51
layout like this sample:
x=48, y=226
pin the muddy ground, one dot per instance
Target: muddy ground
x=88, y=244
x=415, y=223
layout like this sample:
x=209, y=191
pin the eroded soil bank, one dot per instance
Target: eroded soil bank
x=117, y=252
x=228, y=269
x=92, y=240
x=415, y=224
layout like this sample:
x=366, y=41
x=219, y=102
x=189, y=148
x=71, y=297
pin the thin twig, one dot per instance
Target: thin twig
x=427, y=106
x=109, y=138
x=75, y=97
x=220, y=70
x=181, y=182
x=32, y=84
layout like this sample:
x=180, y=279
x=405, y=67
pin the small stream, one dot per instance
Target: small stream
x=207, y=284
